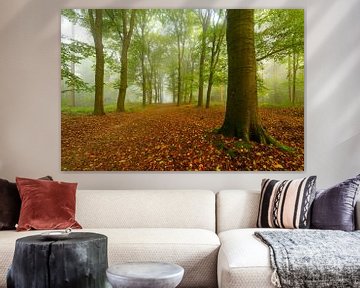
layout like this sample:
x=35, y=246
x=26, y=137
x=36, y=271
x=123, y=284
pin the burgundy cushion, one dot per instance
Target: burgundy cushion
x=10, y=204
x=46, y=204
x=334, y=208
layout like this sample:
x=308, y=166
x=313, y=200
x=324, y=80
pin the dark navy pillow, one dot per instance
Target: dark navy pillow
x=334, y=208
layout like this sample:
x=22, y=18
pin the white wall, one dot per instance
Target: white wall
x=30, y=95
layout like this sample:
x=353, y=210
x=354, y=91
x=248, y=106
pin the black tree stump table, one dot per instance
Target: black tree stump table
x=79, y=261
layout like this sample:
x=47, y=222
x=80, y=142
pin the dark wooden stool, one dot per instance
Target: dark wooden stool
x=79, y=261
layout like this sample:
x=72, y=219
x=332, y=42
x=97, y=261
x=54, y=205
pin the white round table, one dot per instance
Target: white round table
x=145, y=275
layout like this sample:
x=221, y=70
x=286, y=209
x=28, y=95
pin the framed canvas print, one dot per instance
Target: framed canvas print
x=182, y=89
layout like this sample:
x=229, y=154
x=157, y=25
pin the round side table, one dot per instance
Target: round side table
x=145, y=275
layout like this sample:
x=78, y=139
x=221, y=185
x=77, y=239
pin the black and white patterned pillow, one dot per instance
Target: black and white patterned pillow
x=286, y=204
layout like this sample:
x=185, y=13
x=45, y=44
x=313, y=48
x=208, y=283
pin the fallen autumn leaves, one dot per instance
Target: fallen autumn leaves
x=170, y=138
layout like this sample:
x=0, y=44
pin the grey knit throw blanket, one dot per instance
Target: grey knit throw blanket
x=313, y=258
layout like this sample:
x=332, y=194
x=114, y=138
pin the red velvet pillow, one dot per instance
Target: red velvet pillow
x=46, y=204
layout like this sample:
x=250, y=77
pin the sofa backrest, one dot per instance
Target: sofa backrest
x=236, y=209
x=146, y=209
x=239, y=209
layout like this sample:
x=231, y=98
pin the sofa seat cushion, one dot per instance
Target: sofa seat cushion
x=196, y=250
x=244, y=261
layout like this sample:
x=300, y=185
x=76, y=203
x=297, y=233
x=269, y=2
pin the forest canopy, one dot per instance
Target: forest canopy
x=174, y=56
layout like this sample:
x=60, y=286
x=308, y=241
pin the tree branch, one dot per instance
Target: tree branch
x=271, y=53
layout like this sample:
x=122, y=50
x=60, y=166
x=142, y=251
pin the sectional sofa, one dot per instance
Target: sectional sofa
x=209, y=234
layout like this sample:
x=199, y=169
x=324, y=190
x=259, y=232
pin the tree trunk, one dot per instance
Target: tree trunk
x=201, y=67
x=289, y=76
x=241, y=117
x=120, y=107
x=143, y=78
x=222, y=99
x=211, y=75
x=56, y=263
x=205, y=21
x=150, y=91
x=191, y=83
x=96, y=30
x=217, y=38
x=72, y=91
x=142, y=54
x=173, y=86
x=127, y=34
x=155, y=87
x=179, y=72
x=208, y=93
x=294, y=72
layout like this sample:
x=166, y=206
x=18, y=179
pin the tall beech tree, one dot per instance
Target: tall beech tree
x=204, y=16
x=123, y=21
x=127, y=34
x=178, y=21
x=216, y=38
x=143, y=18
x=96, y=22
x=241, y=117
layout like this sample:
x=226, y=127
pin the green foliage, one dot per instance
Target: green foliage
x=278, y=32
x=73, y=53
x=163, y=36
x=88, y=110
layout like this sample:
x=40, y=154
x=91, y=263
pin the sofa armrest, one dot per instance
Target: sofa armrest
x=357, y=215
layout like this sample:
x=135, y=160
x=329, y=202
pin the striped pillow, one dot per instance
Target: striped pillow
x=286, y=204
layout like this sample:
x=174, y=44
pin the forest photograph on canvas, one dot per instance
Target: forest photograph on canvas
x=182, y=90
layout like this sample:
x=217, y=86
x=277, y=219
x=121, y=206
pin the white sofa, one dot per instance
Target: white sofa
x=243, y=261
x=175, y=226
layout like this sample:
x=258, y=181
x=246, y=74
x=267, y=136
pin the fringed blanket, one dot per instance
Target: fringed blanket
x=313, y=258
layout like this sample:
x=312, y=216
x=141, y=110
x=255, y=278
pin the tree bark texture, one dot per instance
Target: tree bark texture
x=241, y=117
x=79, y=261
x=96, y=30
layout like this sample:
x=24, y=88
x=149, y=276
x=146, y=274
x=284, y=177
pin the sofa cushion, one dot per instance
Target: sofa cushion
x=153, y=209
x=244, y=261
x=334, y=208
x=236, y=209
x=286, y=204
x=46, y=204
x=10, y=204
x=194, y=249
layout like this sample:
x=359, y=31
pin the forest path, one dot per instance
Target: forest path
x=167, y=137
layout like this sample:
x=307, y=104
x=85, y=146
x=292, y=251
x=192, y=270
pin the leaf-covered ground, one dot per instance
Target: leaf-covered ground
x=171, y=138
